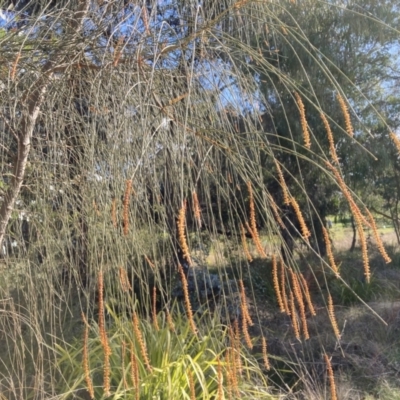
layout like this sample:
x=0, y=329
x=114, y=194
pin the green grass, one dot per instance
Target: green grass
x=175, y=357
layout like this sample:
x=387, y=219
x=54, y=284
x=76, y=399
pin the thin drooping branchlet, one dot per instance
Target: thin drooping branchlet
x=14, y=67
x=396, y=140
x=332, y=317
x=377, y=237
x=124, y=280
x=303, y=227
x=307, y=295
x=293, y=314
x=188, y=304
x=192, y=388
x=181, y=225
x=329, y=252
x=330, y=377
x=135, y=372
x=243, y=299
x=196, y=209
x=265, y=354
x=127, y=196
x=244, y=244
x=275, y=211
x=140, y=340
x=300, y=301
x=154, y=309
x=275, y=279
x=220, y=380
x=283, y=286
x=346, y=115
x=85, y=360
x=332, y=149
x=285, y=191
x=114, y=212
x=256, y=240
x=303, y=120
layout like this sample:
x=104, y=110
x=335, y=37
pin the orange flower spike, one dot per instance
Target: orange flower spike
x=293, y=314
x=377, y=237
x=286, y=198
x=196, y=209
x=331, y=377
x=300, y=301
x=154, y=309
x=332, y=317
x=181, y=225
x=265, y=354
x=303, y=120
x=346, y=115
x=88, y=379
x=395, y=140
x=276, y=284
x=304, y=230
x=308, y=296
x=244, y=244
x=332, y=148
x=275, y=211
x=246, y=313
x=14, y=67
x=127, y=194
x=329, y=252
x=140, y=340
x=188, y=304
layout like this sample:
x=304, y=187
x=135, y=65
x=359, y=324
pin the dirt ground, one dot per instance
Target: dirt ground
x=366, y=359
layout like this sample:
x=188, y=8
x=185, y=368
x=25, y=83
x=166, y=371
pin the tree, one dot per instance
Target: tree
x=313, y=57
x=115, y=116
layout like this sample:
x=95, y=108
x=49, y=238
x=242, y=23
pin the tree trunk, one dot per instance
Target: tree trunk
x=395, y=223
x=353, y=243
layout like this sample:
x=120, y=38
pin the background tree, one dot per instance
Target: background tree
x=350, y=45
